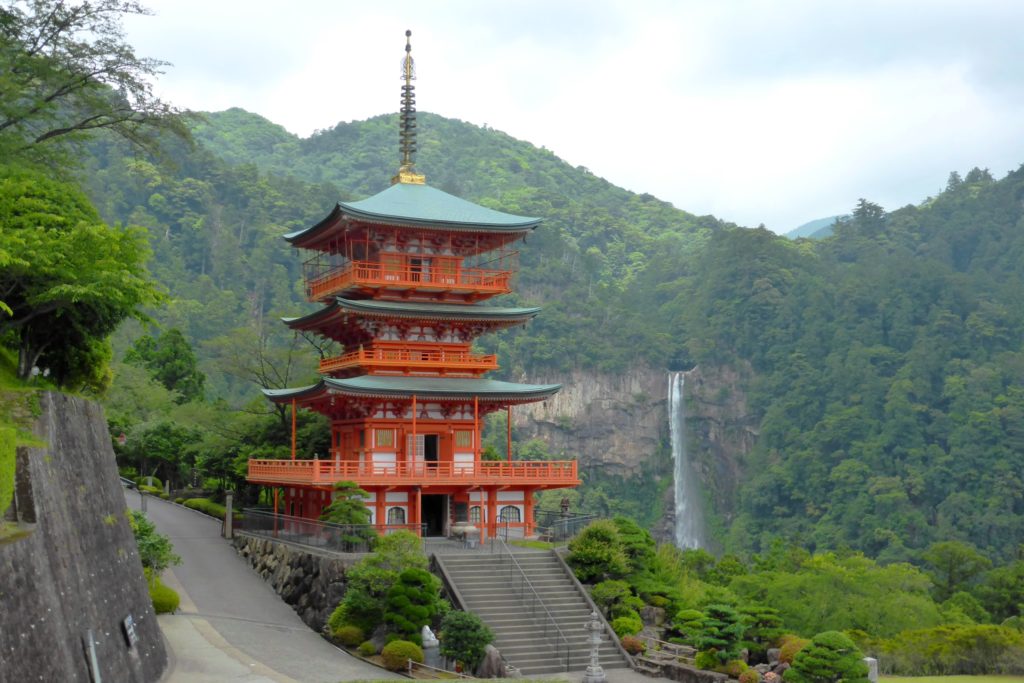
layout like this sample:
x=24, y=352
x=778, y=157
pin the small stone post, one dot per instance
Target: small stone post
x=142, y=500
x=594, y=674
x=229, y=517
x=872, y=669
x=431, y=649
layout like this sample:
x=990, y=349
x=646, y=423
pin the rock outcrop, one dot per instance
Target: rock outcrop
x=618, y=423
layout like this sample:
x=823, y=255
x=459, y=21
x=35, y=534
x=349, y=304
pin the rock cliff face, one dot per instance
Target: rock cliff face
x=617, y=423
x=76, y=571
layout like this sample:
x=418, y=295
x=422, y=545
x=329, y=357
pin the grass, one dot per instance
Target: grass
x=951, y=679
x=539, y=545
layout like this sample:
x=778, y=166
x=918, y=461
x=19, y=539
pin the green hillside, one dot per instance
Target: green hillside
x=887, y=358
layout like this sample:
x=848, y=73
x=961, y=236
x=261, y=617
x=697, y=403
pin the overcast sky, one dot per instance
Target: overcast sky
x=773, y=112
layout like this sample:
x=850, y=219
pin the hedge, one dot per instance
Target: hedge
x=397, y=654
x=165, y=599
x=207, y=506
x=7, y=460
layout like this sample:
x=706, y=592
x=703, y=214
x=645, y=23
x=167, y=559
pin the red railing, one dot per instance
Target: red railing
x=400, y=358
x=378, y=276
x=556, y=473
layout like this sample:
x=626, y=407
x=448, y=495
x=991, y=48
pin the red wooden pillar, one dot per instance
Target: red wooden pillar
x=381, y=514
x=527, y=512
x=417, y=513
x=492, y=511
x=293, y=429
x=508, y=436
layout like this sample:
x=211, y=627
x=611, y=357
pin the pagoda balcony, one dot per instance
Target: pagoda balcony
x=539, y=474
x=410, y=359
x=371, y=278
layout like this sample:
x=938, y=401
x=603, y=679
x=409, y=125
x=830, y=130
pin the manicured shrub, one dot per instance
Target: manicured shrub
x=396, y=654
x=828, y=658
x=348, y=635
x=750, y=676
x=207, y=506
x=151, y=490
x=720, y=630
x=144, y=481
x=179, y=500
x=706, y=659
x=367, y=649
x=733, y=668
x=790, y=646
x=412, y=603
x=7, y=460
x=597, y=553
x=627, y=625
x=463, y=638
x=607, y=593
x=658, y=601
x=165, y=599
x=633, y=646
x=165, y=496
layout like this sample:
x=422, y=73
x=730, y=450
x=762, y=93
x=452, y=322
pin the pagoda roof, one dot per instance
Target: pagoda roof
x=421, y=206
x=377, y=386
x=412, y=310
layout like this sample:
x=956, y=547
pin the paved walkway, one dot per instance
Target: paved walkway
x=231, y=626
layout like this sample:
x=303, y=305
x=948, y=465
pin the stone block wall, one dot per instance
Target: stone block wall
x=312, y=583
x=78, y=569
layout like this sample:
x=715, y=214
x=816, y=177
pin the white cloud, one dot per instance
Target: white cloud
x=753, y=111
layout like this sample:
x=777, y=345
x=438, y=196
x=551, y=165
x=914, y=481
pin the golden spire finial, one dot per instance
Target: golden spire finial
x=407, y=121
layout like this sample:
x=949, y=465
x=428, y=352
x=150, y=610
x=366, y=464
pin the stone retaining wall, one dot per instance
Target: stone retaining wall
x=78, y=571
x=312, y=583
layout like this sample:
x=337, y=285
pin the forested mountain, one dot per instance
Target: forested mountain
x=886, y=360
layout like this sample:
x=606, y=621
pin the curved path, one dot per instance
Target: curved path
x=231, y=626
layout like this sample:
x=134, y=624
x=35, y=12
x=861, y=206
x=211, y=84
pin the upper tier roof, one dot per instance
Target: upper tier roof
x=422, y=205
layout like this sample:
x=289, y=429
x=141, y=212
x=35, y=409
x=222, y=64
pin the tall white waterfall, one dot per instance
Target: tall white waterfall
x=689, y=520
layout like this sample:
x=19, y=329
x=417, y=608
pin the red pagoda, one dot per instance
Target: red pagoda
x=401, y=276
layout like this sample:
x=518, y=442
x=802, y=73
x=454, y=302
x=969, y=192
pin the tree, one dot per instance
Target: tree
x=831, y=657
x=597, y=552
x=66, y=73
x=155, y=549
x=953, y=564
x=171, y=361
x=412, y=603
x=463, y=638
x=721, y=631
x=70, y=280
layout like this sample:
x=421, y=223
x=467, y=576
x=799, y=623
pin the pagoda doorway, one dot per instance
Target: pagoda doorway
x=435, y=514
x=430, y=449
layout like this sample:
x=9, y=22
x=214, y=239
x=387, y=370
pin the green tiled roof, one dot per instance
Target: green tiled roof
x=424, y=387
x=417, y=311
x=422, y=205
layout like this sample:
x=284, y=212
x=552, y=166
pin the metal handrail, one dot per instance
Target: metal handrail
x=347, y=538
x=537, y=601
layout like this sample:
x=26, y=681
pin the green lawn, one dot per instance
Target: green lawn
x=951, y=679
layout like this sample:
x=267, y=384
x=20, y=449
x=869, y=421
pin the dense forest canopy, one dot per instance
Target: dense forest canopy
x=886, y=359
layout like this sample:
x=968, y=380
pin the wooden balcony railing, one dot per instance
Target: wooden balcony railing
x=410, y=359
x=375, y=276
x=542, y=474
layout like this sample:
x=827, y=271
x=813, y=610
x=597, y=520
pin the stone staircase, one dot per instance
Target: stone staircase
x=487, y=585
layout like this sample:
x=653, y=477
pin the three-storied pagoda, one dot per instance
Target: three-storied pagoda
x=400, y=276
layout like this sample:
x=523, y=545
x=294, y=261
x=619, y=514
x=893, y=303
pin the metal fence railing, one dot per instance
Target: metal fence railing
x=344, y=538
x=555, y=525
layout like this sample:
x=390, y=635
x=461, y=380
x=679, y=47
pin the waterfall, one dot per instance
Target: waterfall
x=688, y=518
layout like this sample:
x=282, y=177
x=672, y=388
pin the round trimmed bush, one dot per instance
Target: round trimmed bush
x=633, y=645
x=397, y=654
x=349, y=635
x=750, y=676
x=733, y=668
x=791, y=645
x=628, y=625
x=367, y=649
x=144, y=481
x=706, y=659
x=165, y=599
